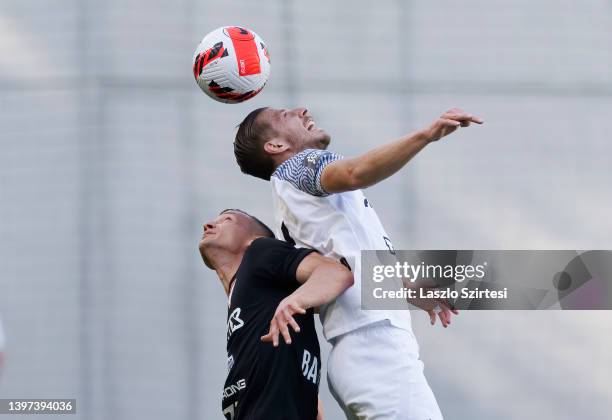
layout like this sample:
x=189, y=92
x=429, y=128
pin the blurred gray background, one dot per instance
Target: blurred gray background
x=112, y=159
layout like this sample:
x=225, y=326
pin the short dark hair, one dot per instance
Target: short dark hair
x=261, y=226
x=248, y=147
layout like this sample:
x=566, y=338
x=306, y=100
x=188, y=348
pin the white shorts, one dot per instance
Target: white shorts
x=374, y=373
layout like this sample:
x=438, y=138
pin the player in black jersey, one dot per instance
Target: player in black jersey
x=272, y=287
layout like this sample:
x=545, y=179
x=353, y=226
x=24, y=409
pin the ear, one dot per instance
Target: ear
x=276, y=146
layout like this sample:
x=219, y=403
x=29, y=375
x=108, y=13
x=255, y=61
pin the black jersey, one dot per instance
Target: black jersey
x=266, y=382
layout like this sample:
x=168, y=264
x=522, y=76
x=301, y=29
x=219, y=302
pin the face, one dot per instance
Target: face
x=230, y=231
x=296, y=127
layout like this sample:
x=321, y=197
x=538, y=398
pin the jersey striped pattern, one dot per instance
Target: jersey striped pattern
x=304, y=170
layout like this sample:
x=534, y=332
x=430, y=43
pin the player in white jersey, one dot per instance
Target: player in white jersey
x=374, y=369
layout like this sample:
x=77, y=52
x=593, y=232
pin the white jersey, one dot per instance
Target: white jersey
x=339, y=226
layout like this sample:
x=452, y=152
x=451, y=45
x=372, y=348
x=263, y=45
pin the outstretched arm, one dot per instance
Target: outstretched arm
x=323, y=279
x=382, y=162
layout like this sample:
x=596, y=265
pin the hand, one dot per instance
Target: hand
x=282, y=318
x=444, y=313
x=449, y=122
x=440, y=307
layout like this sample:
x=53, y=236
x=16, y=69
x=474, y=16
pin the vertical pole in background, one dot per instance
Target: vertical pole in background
x=187, y=143
x=409, y=198
x=288, y=22
x=105, y=277
x=83, y=121
x=95, y=396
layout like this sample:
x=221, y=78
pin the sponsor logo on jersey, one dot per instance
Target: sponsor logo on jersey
x=235, y=388
x=311, y=159
x=310, y=367
x=230, y=362
x=234, y=322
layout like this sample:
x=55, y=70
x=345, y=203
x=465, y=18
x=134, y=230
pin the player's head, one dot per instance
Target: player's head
x=230, y=233
x=268, y=136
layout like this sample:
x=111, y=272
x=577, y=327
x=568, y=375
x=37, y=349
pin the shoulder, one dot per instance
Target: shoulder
x=306, y=159
x=264, y=247
x=304, y=170
x=262, y=250
x=272, y=262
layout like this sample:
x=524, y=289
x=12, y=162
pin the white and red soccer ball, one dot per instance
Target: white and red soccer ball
x=231, y=64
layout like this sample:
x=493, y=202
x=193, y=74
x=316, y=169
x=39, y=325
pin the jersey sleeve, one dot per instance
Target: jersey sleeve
x=275, y=262
x=304, y=170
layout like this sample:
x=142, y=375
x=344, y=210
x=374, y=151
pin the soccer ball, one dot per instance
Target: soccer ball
x=231, y=64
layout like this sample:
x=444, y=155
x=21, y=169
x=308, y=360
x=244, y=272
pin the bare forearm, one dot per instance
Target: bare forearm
x=382, y=162
x=324, y=285
x=322, y=279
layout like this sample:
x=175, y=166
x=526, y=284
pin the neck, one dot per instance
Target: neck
x=280, y=159
x=226, y=265
x=226, y=272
